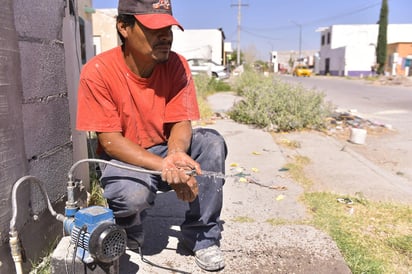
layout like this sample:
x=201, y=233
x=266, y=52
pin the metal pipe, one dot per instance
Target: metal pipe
x=147, y=171
x=15, y=250
x=74, y=166
x=59, y=217
x=14, y=240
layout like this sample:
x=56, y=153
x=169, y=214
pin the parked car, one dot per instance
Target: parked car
x=302, y=70
x=209, y=67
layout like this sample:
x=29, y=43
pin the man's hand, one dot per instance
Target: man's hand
x=186, y=191
x=175, y=168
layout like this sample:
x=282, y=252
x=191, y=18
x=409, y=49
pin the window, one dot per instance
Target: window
x=323, y=40
x=328, y=38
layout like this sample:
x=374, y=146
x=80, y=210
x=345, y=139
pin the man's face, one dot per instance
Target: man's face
x=153, y=43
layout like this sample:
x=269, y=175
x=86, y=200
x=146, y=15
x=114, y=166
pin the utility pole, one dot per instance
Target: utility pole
x=239, y=19
x=300, y=39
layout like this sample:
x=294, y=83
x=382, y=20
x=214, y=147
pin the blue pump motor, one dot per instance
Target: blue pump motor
x=95, y=235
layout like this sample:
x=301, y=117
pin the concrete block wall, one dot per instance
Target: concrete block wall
x=44, y=98
x=12, y=158
x=46, y=117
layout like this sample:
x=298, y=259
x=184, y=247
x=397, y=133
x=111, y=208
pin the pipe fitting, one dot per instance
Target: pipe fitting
x=16, y=252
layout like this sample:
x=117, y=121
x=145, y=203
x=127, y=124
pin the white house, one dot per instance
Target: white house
x=349, y=50
x=200, y=43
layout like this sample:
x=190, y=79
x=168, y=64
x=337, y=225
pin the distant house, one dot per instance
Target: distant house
x=350, y=50
x=400, y=59
x=200, y=44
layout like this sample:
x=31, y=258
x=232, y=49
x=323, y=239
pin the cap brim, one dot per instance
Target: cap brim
x=157, y=21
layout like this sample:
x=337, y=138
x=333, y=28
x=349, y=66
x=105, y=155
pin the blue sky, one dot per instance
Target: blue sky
x=273, y=24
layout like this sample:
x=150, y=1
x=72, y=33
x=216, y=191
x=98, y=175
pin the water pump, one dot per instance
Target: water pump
x=95, y=235
x=93, y=231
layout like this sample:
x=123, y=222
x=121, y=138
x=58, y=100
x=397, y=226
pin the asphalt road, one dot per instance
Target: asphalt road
x=384, y=103
x=388, y=105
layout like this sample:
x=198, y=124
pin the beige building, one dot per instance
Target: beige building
x=104, y=30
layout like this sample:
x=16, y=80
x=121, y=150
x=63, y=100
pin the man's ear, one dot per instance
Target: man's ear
x=121, y=28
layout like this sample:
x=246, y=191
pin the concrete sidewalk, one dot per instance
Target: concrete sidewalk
x=337, y=168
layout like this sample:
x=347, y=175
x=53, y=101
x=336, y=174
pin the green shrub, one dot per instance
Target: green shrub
x=206, y=86
x=202, y=85
x=276, y=105
x=249, y=79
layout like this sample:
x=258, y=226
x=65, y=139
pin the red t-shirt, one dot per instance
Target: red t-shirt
x=112, y=98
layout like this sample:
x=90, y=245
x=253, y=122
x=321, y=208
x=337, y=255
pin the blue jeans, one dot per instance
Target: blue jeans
x=130, y=193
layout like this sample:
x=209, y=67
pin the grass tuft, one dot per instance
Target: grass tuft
x=373, y=237
x=296, y=171
x=243, y=219
x=206, y=86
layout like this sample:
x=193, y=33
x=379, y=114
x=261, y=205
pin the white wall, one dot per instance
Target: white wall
x=199, y=43
x=344, y=35
x=352, y=47
x=360, y=58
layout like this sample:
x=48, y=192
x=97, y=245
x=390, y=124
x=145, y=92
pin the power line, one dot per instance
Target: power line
x=342, y=14
x=324, y=19
x=260, y=36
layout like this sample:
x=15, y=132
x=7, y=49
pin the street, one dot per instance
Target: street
x=382, y=104
x=387, y=104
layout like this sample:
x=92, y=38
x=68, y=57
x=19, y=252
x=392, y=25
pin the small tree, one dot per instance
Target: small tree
x=382, y=38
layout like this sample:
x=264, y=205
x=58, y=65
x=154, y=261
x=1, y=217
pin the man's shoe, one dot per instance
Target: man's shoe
x=133, y=244
x=210, y=259
x=135, y=237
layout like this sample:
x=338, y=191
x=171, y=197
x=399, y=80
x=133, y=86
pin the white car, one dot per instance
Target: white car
x=209, y=67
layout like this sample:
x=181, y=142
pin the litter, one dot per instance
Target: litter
x=278, y=187
x=344, y=201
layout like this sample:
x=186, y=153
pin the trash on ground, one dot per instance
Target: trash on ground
x=344, y=201
x=343, y=121
x=278, y=187
x=243, y=180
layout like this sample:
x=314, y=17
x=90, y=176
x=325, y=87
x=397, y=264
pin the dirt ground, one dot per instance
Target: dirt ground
x=381, y=147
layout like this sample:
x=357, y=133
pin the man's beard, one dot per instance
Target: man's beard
x=162, y=60
x=162, y=56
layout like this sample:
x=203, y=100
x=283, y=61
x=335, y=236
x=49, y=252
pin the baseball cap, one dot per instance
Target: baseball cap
x=153, y=14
